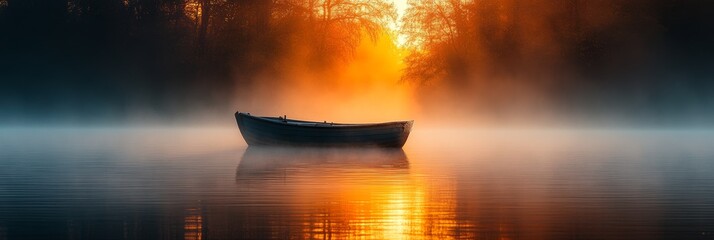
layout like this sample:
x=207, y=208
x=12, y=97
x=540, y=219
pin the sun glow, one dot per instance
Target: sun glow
x=366, y=88
x=401, y=7
x=350, y=73
x=385, y=204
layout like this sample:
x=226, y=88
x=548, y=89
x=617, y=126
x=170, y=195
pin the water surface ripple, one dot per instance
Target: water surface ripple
x=194, y=183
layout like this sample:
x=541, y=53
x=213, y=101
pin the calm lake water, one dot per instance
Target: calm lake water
x=141, y=183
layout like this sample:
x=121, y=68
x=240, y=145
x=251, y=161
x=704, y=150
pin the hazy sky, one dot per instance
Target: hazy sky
x=499, y=61
x=401, y=6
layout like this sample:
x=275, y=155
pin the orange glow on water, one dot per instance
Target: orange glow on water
x=378, y=208
x=193, y=225
x=372, y=195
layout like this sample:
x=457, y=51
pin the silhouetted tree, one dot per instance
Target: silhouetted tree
x=85, y=55
x=572, y=52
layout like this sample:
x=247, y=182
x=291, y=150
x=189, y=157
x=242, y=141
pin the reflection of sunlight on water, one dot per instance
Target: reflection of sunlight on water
x=193, y=224
x=381, y=212
x=454, y=184
x=363, y=199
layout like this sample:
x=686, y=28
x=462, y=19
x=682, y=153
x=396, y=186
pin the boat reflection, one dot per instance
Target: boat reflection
x=337, y=194
x=269, y=162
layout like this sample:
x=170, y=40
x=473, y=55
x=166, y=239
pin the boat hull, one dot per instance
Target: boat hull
x=261, y=131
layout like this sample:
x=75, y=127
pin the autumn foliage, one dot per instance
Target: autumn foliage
x=105, y=59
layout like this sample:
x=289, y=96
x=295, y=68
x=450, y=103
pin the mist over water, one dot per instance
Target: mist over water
x=131, y=183
x=534, y=119
x=488, y=63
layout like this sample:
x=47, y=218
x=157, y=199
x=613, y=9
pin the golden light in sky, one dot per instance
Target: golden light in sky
x=401, y=6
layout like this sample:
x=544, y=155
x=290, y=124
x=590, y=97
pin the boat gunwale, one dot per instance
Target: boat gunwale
x=279, y=121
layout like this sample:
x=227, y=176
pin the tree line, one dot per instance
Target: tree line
x=90, y=55
x=166, y=54
x=639, y=56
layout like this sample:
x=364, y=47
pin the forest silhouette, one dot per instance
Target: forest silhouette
x=101, y=60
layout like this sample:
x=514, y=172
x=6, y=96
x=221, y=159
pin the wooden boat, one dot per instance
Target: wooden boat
x=281, y=131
